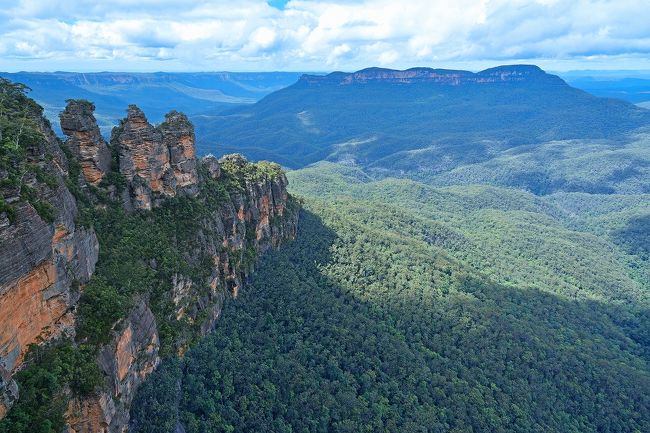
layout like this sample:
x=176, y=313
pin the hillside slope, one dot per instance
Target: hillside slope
x=372, y=116
x=401, y=307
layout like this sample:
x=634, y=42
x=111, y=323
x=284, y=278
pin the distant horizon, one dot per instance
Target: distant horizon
x=619, y=73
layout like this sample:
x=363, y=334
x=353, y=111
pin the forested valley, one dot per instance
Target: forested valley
x=406, y=308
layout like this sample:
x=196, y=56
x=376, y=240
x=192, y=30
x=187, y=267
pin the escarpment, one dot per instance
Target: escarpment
x=241, y=212
x=126, y=250
x=126, y=361
x=444, y=77
x=44, y=253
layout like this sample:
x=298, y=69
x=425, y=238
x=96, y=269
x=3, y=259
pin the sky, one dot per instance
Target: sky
x=311, y=35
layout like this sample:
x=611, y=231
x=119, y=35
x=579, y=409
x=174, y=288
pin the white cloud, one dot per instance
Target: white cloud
x=339, y=53
x=388, y=57
x=317, y=35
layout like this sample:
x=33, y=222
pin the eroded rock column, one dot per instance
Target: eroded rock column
x=85, y=140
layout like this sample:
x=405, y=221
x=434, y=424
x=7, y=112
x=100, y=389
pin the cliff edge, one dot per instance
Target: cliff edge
x=119, y=253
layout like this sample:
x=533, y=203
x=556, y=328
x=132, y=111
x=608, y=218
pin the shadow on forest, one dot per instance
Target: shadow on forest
x=302, y=350
x=634, y=237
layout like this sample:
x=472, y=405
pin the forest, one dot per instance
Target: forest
x=398, y=309
x=325, y=216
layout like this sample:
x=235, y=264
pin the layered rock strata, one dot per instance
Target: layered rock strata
x=42, y=262
x=45, y=264
x=85, y=140
x=157, y=162
x=445, y=77
x=254, y=220
x=233, y=235
x=126, y=361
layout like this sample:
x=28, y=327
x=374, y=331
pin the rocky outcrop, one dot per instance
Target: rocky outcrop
x=85, y=140
x=43, y=257
x=8, y=392
x=157, y=162
x=256, y=218
x=256, y=214
x=43, y=262
x=212, y=166
x=178, y=137
x=46, y=259
x=501, y=74
x=126, y=361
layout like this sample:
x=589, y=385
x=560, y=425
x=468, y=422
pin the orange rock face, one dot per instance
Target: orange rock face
x=156, y=159
x=31, y=311
x=123, y=355
x=85, y=140
x=89, y=415
x=39, y=263
x=28, y=315
x=88, y=152
x=142, y=153
x=265, y=210
x=127, y=360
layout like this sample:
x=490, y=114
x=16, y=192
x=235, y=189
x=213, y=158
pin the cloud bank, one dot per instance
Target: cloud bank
x=320, y=35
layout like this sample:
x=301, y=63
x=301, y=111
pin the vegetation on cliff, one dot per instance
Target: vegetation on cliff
x=467, y=307
x=20, y=134
x=140, y=252
x=53, y=371
x=206, y=241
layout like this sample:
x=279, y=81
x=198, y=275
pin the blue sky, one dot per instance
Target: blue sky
x=280, y=4
x=310, y=35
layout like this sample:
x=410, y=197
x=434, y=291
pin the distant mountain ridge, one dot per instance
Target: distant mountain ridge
x=417, y=120
x=156, y=92
x=631, y=86
x=514, y=73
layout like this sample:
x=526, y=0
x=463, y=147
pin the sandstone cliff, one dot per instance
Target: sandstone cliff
x=257, y=216
x=501, y=74
x=240, y=210
x=126, y=361
x=44, y=254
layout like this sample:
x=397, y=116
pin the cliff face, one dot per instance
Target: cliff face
x=178, y=138
x=257, y=217
x=44, y=255
x=126, y=361
x=502, y=74
x=243, y=209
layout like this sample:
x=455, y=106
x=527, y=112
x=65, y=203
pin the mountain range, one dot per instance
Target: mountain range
x=419, y=122
x=496, y=280
x=157, y=93
x=631, y=86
